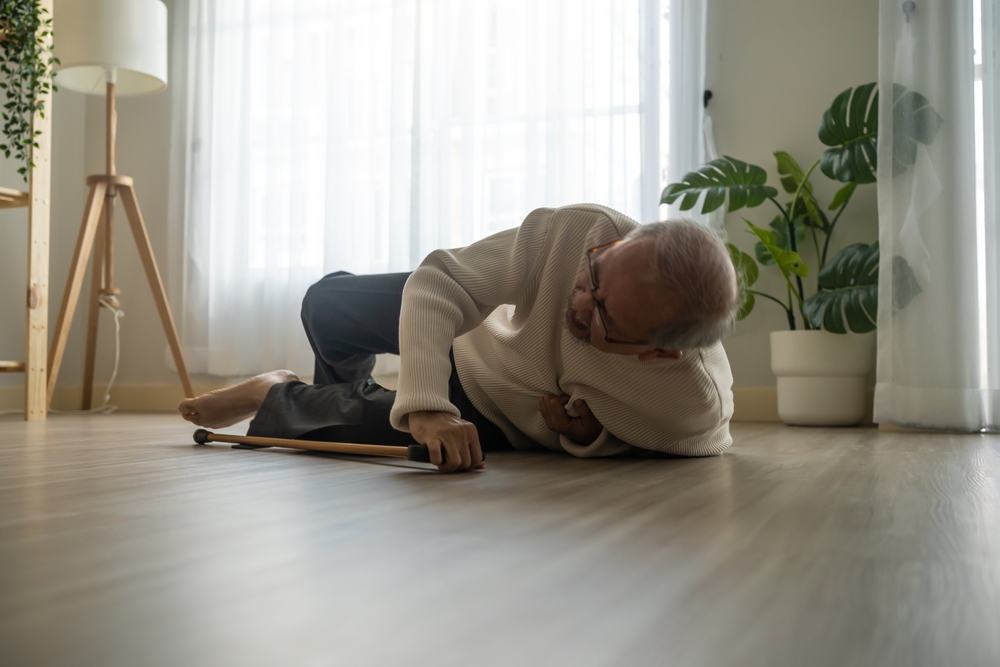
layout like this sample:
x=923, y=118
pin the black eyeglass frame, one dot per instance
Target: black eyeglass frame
x=599, y=307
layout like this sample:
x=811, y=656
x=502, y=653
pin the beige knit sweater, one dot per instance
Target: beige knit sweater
x=501, y=303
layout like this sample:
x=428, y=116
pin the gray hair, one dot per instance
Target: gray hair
x=690, y=262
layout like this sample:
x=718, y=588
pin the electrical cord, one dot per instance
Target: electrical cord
x=109, y=302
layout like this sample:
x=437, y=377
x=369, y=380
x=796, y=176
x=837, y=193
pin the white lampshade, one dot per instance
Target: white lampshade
x=94, y=37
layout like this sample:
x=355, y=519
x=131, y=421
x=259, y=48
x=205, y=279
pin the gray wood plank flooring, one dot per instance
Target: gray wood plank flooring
x=122, y=543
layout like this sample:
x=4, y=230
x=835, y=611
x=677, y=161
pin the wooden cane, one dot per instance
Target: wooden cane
x=411, y=452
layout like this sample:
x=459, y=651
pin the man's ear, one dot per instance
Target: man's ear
x=657, y=353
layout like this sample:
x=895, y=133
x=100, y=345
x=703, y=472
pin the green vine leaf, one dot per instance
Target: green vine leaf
x=28, y=65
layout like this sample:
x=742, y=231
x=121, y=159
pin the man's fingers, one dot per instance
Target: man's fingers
x=553, y=412
x=475, y=449
x=575, y=431
x=583, y=429
x=466, y=455
x=548, y=404
x=452, y=443
x=470, y=449
x=462, y=449
x=545, y=410
x=453, y=457
x=586, y=416
x=555, y=421
x=446, y=457
x=434, y=451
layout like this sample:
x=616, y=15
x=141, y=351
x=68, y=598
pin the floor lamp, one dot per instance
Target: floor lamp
x=111, y=48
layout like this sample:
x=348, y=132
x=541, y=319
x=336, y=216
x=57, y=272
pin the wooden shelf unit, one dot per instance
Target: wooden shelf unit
x=37, y=200
x=13, y=198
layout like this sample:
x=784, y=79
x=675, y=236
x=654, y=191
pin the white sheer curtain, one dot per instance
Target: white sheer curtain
x=687, y=88
x=320, y=135
x=938, y=356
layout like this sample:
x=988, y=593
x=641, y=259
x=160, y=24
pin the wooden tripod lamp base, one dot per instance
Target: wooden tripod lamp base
x=104, y=188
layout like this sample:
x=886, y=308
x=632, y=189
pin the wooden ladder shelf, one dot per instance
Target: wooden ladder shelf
x=35, y=364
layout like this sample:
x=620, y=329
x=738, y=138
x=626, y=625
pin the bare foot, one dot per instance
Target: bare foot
x=225, y=407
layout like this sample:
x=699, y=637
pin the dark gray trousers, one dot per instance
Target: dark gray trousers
x=349, y=319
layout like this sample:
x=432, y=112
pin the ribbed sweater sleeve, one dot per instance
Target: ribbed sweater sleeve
x=604, y=445
x=451, y=293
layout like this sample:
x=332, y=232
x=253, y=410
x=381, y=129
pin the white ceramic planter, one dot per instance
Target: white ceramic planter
x=822, y=377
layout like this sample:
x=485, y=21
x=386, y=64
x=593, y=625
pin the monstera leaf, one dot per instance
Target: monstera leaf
x=850, y=127
x=744, y=183
x=904, y=284
x=848, y=296
x=914, y=121
x=746, y=274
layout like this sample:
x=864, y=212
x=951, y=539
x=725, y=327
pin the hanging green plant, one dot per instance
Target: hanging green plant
x=26, y=67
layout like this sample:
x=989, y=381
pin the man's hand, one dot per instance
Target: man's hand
x=583, y=429
x=443, y=431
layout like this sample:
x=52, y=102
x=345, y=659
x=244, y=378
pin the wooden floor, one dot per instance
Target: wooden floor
x=121, y=543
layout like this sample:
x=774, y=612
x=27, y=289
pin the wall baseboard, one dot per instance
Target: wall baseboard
x=131, y=397
x=752, y=404
x=128, y=397
x=755, y=404
x=760, y=404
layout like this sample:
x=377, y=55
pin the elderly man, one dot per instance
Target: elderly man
x=578, y=331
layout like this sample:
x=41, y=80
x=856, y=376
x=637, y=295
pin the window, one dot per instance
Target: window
x=360, y=136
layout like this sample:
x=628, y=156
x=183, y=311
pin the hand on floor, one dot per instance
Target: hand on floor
x=583, y=429
x=443, y=431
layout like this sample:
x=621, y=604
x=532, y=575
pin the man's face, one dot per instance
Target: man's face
x=634, y=306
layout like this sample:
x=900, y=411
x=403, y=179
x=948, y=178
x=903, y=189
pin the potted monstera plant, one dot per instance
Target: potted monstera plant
x=822, y=366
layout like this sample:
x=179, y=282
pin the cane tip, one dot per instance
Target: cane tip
x=201, y=436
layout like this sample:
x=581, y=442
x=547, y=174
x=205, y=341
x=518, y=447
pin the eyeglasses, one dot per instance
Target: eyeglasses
x=599, y=307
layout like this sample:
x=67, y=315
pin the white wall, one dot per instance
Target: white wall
x=774, y=66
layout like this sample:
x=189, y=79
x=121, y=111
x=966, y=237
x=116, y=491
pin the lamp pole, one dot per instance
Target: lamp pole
x=109, y=291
